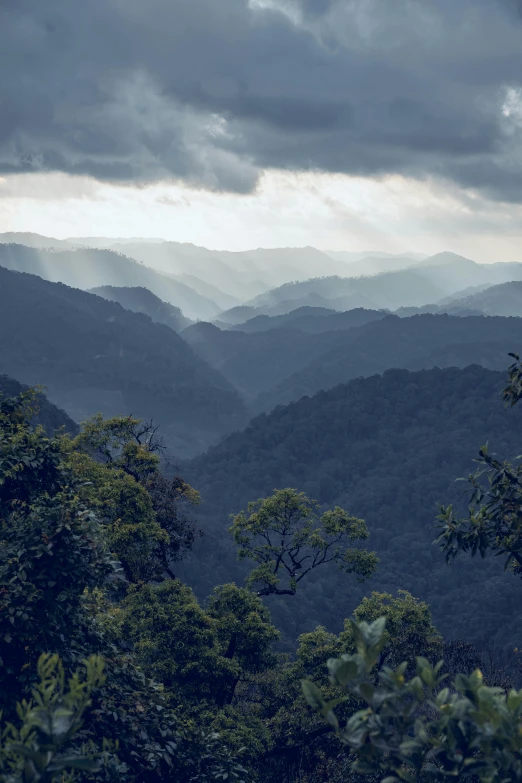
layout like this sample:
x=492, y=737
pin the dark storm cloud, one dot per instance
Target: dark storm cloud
x=213, y=92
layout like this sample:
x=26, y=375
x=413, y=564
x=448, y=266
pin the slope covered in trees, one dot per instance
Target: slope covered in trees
x=141, y=300
x=93, y=355
x=146, y=683
x=88, y=268
x=255, y=362
x=418, y=342
x=388, y=449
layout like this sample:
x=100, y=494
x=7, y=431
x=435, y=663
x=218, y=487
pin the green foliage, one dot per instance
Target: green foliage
x=409, y=627
x=301, y=742
x=242, y=626
x=145, y=514
x=57, y=592
x=285, y=535
x=154, y=741
x=173, y=639
x=52, y=549
x=419, y=729
x=513, y=391
x=41, y=748
x=408, y=624
x=493, y=521
x=199, y=655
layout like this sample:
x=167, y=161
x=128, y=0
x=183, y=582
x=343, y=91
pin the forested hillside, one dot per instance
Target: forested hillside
x=255, y=362
x=141, y=300
x=389, y=449
x=94, y=356
x=418, y=342
x=205, y=684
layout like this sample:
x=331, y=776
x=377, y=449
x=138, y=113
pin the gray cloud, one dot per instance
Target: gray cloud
x=214, y=92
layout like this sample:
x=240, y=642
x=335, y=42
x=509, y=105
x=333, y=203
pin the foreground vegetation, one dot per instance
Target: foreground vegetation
x=112, y=670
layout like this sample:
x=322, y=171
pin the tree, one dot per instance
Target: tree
x=418, y=729
x=410, y=629
x=494, y=519
x=244, y=634
x=57, y=593
x=199, y=655
x=288, y=539
x=173, y=640
x=173, y=500
x=146, y=514
x=422, y=728
x=52, y=548
x=301, y=739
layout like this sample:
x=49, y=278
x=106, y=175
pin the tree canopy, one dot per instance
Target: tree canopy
x=288, y=539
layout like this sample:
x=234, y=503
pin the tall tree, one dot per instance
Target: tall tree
x=147, y=514
x=285, y=535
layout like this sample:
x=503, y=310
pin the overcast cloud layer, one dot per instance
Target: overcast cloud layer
x=214, y=91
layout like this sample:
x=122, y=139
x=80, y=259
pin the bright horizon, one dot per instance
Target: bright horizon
x=329, y=212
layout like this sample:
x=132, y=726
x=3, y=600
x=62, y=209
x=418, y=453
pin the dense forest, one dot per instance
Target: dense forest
x=190, y=594
x=260, y=391
x=145, y=683
x=389, y=449
x=418, y=342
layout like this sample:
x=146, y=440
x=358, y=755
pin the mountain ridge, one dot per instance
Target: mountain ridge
x=86, y=268
x=95, y=356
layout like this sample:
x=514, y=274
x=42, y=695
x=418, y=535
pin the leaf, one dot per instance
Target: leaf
x=343, y=671
x=375, y=632
x=313, y=695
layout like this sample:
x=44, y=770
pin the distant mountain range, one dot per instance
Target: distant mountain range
x=242, y=274
x=227, y=278
x=504, y=299
x=312, y=320
x=376, y=263
x=284, y=343
x=87, y=268
x=426, y=282
x=211, y=285
x=95, y=356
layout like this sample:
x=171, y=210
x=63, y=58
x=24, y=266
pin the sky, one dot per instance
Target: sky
x=343, y=124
